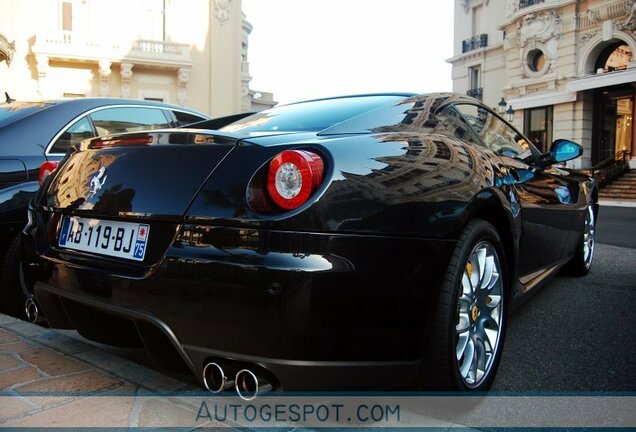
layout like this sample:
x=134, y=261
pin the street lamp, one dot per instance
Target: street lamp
x=502, y=106
x=510, y=114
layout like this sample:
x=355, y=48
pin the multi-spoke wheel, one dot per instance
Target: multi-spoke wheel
x=479, y=314
x=468, y=328
x=582, y=260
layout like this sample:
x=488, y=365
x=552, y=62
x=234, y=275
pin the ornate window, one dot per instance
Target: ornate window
x=615, y=57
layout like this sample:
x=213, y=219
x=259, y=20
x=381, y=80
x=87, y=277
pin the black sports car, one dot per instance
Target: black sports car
x=360, y=242
x=38, y=134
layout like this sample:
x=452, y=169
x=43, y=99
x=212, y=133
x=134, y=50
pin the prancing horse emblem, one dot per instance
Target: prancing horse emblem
x=98, y=181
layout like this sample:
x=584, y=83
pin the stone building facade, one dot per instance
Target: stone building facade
x=185, y=52
x=566, y=67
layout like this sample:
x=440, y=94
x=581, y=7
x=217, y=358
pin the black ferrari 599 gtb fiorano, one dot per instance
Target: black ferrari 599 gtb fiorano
x=360, y=242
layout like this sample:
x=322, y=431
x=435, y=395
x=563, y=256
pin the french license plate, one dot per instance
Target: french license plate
x=117, y=239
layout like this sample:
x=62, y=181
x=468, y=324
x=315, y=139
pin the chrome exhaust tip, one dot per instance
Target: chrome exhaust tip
x=31, y=310
x=248, y=385
x=214, y=378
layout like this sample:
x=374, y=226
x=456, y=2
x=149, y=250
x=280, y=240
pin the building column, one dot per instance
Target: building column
x=183, y=76
x=126, y=75
x=104, y=77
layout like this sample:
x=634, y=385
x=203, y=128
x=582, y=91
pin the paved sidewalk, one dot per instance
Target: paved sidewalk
x=49, y=379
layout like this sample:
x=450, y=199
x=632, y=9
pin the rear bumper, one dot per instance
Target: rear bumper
x=318, y=311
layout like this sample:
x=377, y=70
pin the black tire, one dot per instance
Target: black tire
x=580, y=264
x=440, y=366
x=12, y=293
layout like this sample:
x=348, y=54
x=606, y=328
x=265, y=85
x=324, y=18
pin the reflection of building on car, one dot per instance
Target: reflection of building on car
x=362, y=242
x=32, y=133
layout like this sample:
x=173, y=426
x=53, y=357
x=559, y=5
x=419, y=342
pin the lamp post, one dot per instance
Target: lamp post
x=502, y=106
x=505, y=109
x=510, y=114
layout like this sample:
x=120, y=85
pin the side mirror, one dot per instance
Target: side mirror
x=565, y=150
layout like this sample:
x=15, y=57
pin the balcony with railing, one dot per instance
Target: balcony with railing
x=475, y=42
x=66, y=45
x=528, y=3
x=477, y=93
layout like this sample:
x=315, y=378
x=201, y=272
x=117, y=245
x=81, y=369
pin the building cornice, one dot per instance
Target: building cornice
x=540, y=7
x=602, y=80
x=542, y=99
x=475, y=53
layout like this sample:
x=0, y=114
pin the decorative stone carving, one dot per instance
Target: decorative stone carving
x=6, y=50
x=183, y=76
x=539, y=27
x=630, y=22
x=465, y=4
x=593, y=16
x=104, y=77
x=539, y=31
x=588, y=36
x=513, y=6
x=222, y=10
x=126, y=75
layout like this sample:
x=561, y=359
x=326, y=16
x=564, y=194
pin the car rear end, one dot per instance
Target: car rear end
x=208, y=248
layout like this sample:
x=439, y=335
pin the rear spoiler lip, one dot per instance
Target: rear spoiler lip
x=217, y=123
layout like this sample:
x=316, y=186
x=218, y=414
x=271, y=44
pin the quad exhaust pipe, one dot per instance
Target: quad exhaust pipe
x=215, y=378
x=248, y=384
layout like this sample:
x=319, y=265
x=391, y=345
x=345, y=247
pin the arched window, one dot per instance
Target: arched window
x=614, y=57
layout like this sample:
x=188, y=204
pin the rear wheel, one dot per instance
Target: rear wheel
x=468, y=329
x=12, y=285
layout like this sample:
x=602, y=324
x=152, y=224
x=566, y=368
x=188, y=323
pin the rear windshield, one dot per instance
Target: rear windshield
x=10, y=112
x=309, y=116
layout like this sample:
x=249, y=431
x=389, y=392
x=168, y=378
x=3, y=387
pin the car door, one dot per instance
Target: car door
x=546, y=200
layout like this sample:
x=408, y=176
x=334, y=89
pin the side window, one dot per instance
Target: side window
x=455, y=124
x=495, y=133
x=128, y=119
x=79, y=131
x=184, y=118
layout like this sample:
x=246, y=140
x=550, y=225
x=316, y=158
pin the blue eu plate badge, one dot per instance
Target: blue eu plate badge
x=142, y=238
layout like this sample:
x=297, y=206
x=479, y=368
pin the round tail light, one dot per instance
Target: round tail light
x=293, y=176
x=45, y=170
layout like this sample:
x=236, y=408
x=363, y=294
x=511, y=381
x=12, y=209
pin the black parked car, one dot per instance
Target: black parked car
x=32, y=133
x=362, y=242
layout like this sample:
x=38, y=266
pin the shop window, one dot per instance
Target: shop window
x=538, y=126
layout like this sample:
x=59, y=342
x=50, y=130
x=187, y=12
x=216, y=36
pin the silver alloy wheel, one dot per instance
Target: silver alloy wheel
x=589, y=233
x=479, y=315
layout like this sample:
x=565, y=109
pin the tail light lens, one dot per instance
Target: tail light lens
x=294, y=175
x=45, y=170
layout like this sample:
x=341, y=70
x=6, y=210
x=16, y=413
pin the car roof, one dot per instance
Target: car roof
x=405, y=94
